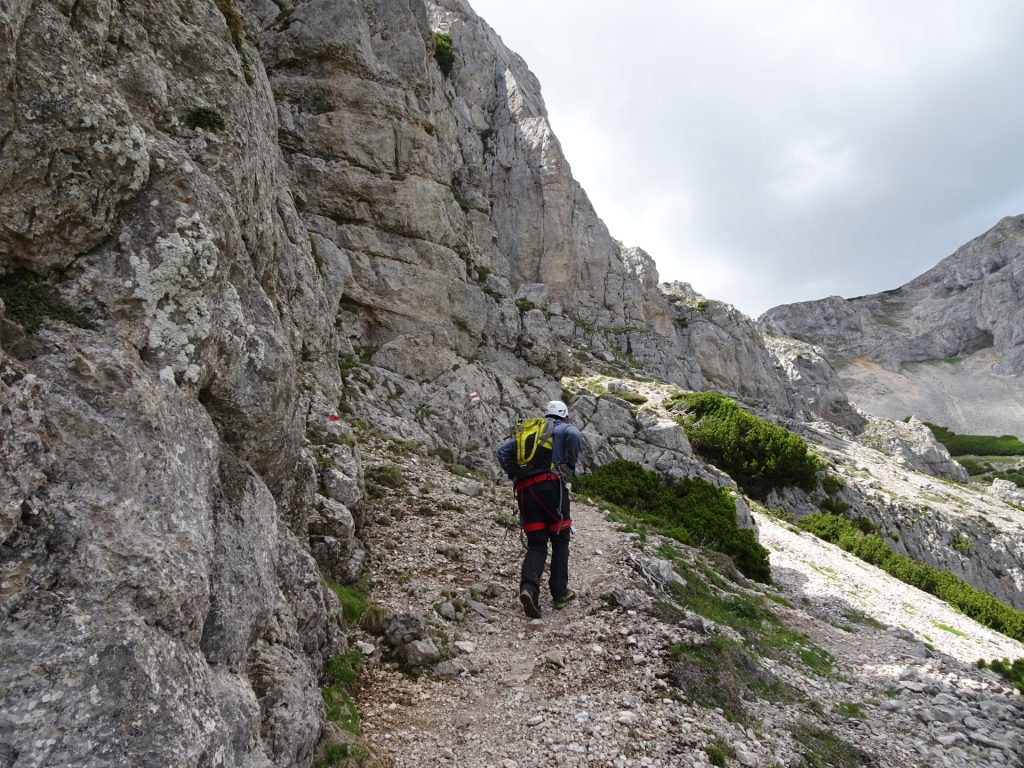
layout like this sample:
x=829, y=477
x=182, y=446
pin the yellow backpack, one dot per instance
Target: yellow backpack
x=535, y=439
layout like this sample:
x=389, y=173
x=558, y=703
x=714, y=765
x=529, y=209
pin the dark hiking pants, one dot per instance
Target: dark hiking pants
x=544, y=507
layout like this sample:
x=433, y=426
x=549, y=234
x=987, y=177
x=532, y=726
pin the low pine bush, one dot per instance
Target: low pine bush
x=758, y=455
x=977, y=445
x=870, y=547
x=1013, y=671
x=692, y=511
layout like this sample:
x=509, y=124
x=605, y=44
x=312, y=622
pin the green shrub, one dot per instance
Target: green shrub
x=870, y=547
x=1012, y=671
x=719, y=752
x=444, y=52
x=834, y=506
x=758, y=455
x=832, y=484
x=383, y=476
x=28, y=301
x=820, y=748
x=977, y=445
x=973, y=467
x=692, y=511
x=207, y=118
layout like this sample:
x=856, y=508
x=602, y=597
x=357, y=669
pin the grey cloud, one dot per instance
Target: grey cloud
x=841, y=149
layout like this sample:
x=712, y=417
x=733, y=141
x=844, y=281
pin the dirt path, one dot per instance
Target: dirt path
x=591, y=685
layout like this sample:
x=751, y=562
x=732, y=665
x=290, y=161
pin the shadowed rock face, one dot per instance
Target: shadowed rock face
x=160, y=603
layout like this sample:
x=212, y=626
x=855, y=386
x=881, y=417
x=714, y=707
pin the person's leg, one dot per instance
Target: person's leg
x=559, y=578
x=533, y=562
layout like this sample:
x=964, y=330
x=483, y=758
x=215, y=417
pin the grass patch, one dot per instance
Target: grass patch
x=751, y=617
x=381, y=477
x=823, y=749
x=849, y=709
x=691, y=511
x=977, y=445
x=339, y=708
x=352, y=598
x=758, y=455
x=947, y=628
x=341, y=673
x=870, y=547
x=29, y=301
x=857, y=616
x=719, y=752
x=720, y=673
x=339, y=755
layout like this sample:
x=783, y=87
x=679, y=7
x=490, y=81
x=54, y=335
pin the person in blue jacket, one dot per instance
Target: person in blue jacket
x=543, y=499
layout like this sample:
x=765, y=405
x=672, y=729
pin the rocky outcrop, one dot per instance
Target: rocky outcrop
x=813, y=378
x=612, y=429
x=952, y=526
x=913, y=446
x=969, y=301
x=968, y=307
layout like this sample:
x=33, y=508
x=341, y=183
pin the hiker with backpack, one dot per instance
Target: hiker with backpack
x=540, y=458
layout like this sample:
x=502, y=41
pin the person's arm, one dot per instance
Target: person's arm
x=506, y=455
x=568, y=440
x=573, y=442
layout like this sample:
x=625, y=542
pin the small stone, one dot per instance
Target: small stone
x=449, y=668
x=554, y=658
x=465, y=646
x=535, y=721
x=626, y=718
x=367, y=649
x=421, y=653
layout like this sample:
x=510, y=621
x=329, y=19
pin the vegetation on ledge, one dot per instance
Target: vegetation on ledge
x=757, y=454
x=691, y=511
x=976, y=445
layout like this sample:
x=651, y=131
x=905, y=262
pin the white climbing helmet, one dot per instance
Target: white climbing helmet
x=556, y=408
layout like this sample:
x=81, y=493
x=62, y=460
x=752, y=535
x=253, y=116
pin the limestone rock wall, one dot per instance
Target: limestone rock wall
x=160, y=603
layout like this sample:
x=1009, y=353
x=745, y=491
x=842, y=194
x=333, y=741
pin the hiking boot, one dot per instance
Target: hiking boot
x=564, y=600
x=529, y=602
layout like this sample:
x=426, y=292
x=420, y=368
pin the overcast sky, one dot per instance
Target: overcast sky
x=772, y=152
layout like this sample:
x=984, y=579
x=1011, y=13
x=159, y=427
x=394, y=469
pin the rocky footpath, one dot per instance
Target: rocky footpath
x=888, y=680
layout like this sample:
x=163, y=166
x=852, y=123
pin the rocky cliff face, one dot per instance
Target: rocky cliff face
x=970, y=308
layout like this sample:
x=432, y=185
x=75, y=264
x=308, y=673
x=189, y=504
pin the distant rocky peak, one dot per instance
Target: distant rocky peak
x=971, y=300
